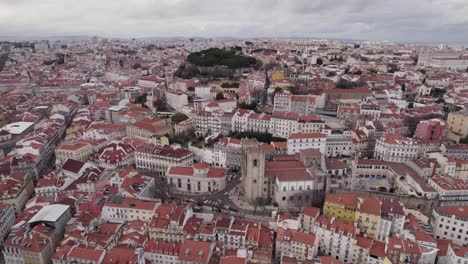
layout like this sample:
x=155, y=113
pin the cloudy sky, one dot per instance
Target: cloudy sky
x=394, y=20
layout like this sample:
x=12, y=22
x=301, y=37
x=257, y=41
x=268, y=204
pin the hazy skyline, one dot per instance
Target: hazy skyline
x=400, y=20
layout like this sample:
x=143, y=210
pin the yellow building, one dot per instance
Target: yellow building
x=151, y=130
x=368, y=217
x=342, y=206
x=458, y=125
x=159, y=141
x=277, y=75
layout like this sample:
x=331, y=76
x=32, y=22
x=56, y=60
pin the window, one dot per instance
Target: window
x=255, y=163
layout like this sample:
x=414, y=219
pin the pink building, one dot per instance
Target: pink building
x=432, y=129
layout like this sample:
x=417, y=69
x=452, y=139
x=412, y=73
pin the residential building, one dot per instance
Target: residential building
x=451, y=190
x=368, y=219
x=176, y=99
x=119, y=209
x=396, y=148
x=16, y=188
x=157, y=160
x=308, y=217
x=72, y=150
x=296, y=244
x=338, y=145
x=115, y=155
x=341, y=207
x=459, y=151
x=7, y=219
x=457, y=254
x=432, y=129
x=34, y=246
x=403, y=250
x=160, y=251
x=450, y=222
x=227, y=153
x=457, y=125
x=301, y=104
x=192, y=251
x=150, y=130
x=300, y=141
x=336, y=238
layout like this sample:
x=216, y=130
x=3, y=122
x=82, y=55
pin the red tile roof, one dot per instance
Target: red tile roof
x=195, y=251
x=310, y=211
x=86, y=254
x=370, y=206
x=348, y=199
x=461, y=211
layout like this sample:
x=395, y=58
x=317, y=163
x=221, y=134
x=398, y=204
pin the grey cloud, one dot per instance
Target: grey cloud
x=400, y=20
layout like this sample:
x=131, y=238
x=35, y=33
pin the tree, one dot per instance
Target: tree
x=411, y=105
x=260, y=202
x=223, y=57
x=60, y=58
x=293, y=89
x=179, y=117
x=411, y=123
x=345, y=84
x=219, y=96
x=230, y=85
x=278, y=90
x=141, y=99
x=250, y=106
x=464, y=140
x=437, y=92
x=121, y=63
x=136, y=66
x=160, y=105
x=392, y=68
x=319, y=61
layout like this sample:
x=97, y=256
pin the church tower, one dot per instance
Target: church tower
x=253, y=170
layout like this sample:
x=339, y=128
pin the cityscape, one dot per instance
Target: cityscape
x=201, y=147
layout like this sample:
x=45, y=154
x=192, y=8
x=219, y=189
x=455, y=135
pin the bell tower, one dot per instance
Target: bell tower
x=253, y=170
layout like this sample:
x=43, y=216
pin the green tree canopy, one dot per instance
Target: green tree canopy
x=250, y=106
x=160, y=105
x=219, y=96
x=222, y=57
x=464, y=140
x=179, y=117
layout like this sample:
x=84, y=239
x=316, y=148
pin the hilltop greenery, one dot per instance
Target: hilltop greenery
x=221, y=57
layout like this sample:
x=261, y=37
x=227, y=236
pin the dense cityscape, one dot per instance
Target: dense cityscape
x=211, y=150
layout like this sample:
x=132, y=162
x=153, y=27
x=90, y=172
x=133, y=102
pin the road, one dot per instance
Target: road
x=164, y=193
